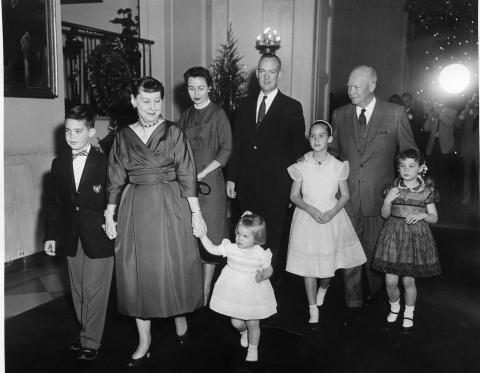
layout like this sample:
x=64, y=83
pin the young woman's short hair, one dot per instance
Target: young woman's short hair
x=198, y=72
x=256, y=224
x=148, y=84
x=83, y=113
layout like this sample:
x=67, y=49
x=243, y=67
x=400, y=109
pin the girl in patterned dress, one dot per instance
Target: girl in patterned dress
x=322, y=238
x=243, y=290
x=406, y=247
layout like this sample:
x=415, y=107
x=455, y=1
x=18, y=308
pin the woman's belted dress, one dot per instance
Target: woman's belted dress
x=158, y=268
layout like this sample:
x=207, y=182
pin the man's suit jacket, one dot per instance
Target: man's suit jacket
x=387, y=131
x=79, y=213
x=261, y=156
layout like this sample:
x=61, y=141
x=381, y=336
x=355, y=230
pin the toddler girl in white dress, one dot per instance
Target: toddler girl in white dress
x=243, y=290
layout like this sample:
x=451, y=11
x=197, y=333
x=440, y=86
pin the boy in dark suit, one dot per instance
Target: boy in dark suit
x=76, y=200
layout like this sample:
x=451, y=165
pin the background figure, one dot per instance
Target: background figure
x=395, y=99
x=209, y=133
x=416, y=117
x=263, y=149
x=367, y=133
x=440, y=150
x=468, y=122
x=151, y=174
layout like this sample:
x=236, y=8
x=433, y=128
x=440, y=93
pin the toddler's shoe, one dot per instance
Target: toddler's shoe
x=252, y=353
x=244, y=338
x=313, y=314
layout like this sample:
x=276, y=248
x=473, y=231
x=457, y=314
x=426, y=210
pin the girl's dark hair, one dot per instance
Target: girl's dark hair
x=323, y=123
x=83, y=113
x=198, y=72
x=257, y=225
x=413, y=154
x=148, y=84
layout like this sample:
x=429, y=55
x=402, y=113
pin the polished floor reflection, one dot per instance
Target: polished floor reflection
x=447, y=323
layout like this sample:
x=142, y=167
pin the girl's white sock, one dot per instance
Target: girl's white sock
x=252, y=353
x=244, y=338
x=321, y=295
x=313, y=314
x=408, y=316
x=394, y=310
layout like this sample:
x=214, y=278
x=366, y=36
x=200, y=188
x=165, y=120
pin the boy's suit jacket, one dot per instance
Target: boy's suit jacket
x=79, y=213
x=388, y=131
x=261, y=156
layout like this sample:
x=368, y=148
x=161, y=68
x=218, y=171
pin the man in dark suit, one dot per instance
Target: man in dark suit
x=76, y=201
x=367, y=133
x=269, y=135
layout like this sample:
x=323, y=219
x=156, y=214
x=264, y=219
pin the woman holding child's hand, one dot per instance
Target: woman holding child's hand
x=153, y=180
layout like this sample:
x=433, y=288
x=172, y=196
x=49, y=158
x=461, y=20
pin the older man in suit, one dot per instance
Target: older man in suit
x=367, y=133
x=269, y=135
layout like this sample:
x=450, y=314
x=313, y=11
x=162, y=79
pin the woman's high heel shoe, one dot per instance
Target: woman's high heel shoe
x=184, y=338
x=135, y=363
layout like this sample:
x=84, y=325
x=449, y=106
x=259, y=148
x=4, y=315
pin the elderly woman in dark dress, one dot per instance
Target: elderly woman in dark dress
x=209, y=133
x=152, y=178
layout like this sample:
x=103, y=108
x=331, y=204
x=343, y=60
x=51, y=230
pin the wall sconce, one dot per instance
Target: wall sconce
x=269, y=42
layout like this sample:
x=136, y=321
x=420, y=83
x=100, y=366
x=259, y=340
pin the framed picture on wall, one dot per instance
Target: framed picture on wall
x=29, y=48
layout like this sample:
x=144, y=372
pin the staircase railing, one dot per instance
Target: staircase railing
x=78, y=44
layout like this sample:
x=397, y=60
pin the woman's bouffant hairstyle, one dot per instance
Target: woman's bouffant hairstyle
x=148, y=84
x=256, y=224
x=83, y=113
x=198, y=72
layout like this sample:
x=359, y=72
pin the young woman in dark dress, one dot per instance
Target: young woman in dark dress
x=209, y=133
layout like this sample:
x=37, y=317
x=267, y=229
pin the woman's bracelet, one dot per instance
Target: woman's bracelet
x=195, y=212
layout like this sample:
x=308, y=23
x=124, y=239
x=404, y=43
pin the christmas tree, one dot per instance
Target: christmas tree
x=228, y=75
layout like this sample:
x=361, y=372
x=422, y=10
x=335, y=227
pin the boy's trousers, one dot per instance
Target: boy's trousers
x=90, y=281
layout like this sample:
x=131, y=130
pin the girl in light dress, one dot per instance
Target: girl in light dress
x=322, y=238
x=243, y=290
x=405, y=246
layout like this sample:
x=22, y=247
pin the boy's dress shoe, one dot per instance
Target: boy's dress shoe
x=87, y=354
x=135, y=363
x=76, y=345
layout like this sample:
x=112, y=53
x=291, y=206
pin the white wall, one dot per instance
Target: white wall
x=29, y=127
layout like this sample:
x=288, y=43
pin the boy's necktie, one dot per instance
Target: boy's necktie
x=261, y=112
x=362, y=119
x=84, y=152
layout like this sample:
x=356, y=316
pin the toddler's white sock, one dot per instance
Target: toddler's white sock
x=394, y=310
x=321, y=295
x=244, y=338
x=408, y=316
x=313, y=314
x=252, y=353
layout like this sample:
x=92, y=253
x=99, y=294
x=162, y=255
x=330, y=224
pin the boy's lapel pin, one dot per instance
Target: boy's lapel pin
x=97, y=188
